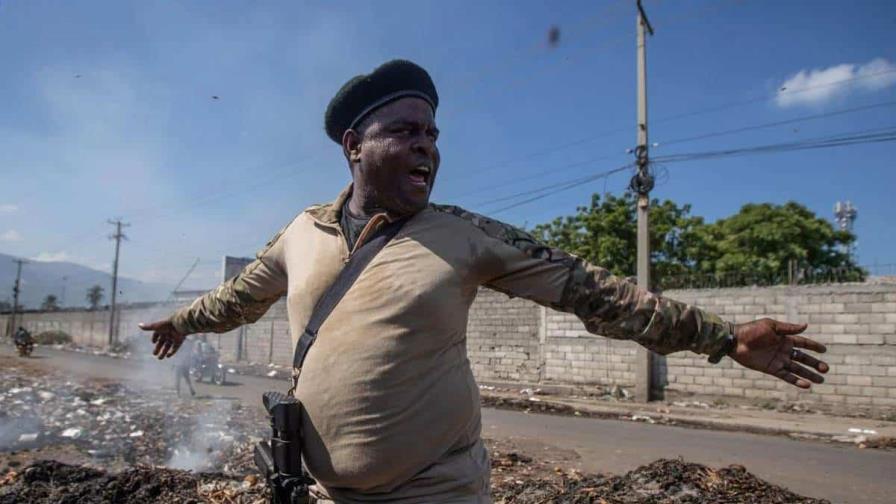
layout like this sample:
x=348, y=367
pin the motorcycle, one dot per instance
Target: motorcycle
x=206, y=365
x=25, y=348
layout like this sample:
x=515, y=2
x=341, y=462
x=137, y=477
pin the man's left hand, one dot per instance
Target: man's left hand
x=774, y=348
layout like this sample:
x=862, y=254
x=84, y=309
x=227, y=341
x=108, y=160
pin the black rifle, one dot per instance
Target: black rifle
x=280, y=462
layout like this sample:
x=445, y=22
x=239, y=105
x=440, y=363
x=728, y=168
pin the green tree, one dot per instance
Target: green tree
x=94, y=296
x=765, y=239
x=50, y=303
x=757, y=245
x=605, y=233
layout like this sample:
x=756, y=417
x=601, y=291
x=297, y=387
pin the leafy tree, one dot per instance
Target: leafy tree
x=765, y=239
x=94, y=296
x=756, y=245
x=605, y=233
x=50, y=303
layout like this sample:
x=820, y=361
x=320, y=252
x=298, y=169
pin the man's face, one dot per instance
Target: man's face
x=396, y=160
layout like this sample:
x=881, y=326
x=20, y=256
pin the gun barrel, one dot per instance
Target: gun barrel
x=264, y=460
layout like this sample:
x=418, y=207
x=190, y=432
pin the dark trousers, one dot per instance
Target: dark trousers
x=182, y=372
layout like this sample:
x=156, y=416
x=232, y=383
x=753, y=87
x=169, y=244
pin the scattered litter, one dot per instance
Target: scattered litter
x=272, y=373
x=72, y=432
x=856, y=430
x=138, y=433
x=27, y=438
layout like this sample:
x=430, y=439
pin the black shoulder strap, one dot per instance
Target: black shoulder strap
x=337, y=290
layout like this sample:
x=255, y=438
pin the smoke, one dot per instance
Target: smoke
x=208, y=441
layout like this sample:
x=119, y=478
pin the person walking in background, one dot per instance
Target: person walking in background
x=182, y=366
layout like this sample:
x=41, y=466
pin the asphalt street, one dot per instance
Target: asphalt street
x=836, y=472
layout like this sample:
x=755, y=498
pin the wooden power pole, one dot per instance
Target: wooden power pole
x=15, y=295
x=642, y=183
x=117, y=236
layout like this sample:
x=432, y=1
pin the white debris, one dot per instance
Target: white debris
x=856, y=430
x=98, y=402
x=642, y=418
x=138, y=433
x=27, y=438
x=272, y=373
x=45, y=395
x=486, y=387
x=72, y=432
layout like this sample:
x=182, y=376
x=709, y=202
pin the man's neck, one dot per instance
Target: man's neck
x=361, y=209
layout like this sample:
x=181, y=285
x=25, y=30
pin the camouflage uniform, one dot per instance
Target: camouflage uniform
x=392, y=409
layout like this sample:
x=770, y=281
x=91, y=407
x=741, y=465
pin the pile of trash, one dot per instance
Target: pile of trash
x=115, y=427
x=662, y=481
x=55, y=482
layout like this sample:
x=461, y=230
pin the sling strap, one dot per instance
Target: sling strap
x=335, y=292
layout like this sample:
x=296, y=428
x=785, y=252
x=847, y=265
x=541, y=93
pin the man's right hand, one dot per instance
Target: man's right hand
x=166, y=338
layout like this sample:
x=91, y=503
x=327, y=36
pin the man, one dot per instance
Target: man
x=391, y=406
x=182, y=364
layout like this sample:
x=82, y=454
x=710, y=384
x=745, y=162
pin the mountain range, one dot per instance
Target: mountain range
x=69, y=283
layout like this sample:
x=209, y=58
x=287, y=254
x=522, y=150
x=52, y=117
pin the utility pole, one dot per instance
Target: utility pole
x=117, y=236
x=62, y=294
x=15, y=295
x=642, y=183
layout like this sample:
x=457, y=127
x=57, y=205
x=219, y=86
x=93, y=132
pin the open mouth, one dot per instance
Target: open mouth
x=419, y=176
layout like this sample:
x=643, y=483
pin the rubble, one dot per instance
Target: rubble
x=123, y=446
x=55, y=482
x=662, y=481
x=110, y=424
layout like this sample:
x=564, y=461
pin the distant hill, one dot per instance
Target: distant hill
x=42, y=278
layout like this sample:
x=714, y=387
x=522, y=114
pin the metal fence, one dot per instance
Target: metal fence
x=792, y=276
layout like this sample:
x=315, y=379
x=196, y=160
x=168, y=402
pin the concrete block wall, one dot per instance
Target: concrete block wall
x=857, y=323
x=514, y=340
x=504, y=338
x=575, y=356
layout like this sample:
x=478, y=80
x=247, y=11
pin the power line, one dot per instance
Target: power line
x=570, y=184
x=776, y=123
x=717, y=108
x=861, y=137
x=877, y=135
x=683, y=140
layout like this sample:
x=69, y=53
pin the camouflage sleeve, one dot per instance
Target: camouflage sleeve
x=518, y=265
x=241, y=300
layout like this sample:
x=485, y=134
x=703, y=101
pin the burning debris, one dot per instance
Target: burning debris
x=115, y=427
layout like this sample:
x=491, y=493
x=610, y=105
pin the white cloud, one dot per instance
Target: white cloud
x=61, y=256
x=8, y=208
x=817, y=86
x=11, y=236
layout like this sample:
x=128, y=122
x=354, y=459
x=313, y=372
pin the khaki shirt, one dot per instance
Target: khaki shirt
x=388, y=391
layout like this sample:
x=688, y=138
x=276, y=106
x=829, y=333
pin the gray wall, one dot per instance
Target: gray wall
x=513, y=340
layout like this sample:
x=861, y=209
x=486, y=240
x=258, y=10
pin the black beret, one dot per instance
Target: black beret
x=363, y=94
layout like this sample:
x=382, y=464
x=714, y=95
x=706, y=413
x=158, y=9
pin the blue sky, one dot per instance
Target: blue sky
x=106, y=110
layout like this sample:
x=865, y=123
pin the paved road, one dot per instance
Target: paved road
x=838, y=473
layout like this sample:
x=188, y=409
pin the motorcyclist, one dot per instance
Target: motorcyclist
x=23, y=337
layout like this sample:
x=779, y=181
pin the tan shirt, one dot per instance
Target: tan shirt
x=387, y=388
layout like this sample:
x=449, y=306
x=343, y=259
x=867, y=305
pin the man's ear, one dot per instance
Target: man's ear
x=351, y=146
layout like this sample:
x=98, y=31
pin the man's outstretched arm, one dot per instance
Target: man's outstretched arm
x=241, y=300
x=613, y=307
